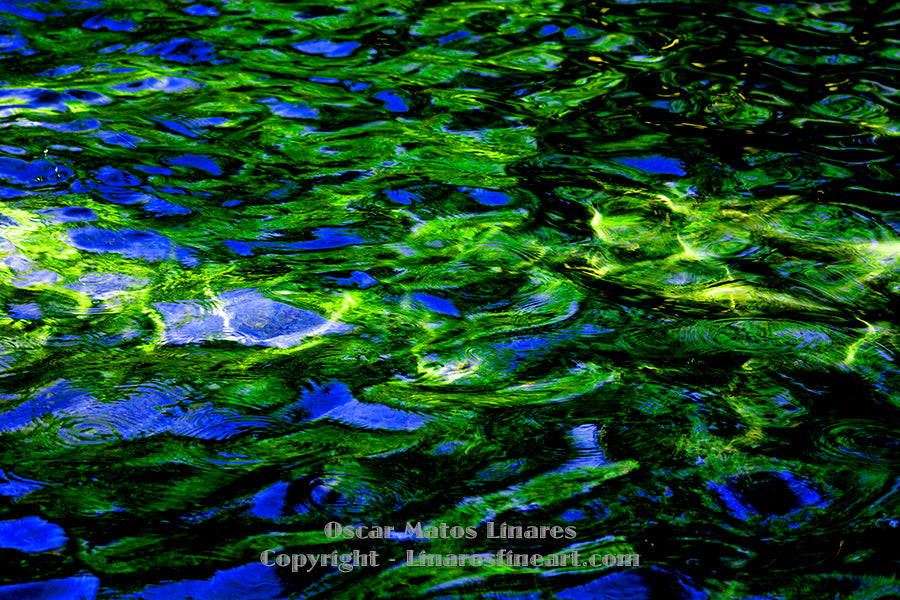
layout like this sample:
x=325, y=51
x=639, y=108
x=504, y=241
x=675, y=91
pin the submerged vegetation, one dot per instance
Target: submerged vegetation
x=623, y=267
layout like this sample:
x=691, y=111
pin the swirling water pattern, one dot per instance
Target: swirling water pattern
x=628, y=266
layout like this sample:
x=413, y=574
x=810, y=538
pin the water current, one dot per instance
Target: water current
x=626, y=269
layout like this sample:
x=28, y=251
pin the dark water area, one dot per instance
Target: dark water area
x=626, y=269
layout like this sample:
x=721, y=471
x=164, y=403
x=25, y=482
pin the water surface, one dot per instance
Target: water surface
x=628, y=267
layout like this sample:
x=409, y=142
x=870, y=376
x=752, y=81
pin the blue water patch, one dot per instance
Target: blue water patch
x=374, y=416
x=327, y=48
x=25, y=311
x=67, y=127
x=164, y=84
x=12, y=43
x=457, y=35
x=254, y=581
x=576, y=33
x=69, y=214
x=60, y=71
x=198, y=161
x=359, y=279
x=768, y=494
x=252, y=319
x=269, y=503
x=16, y=8
x=402, y=196
x=335, y=401
x=636, y=584
x=102, y=286
x=572, y=515
x=198, y=10
x=448, y=448
x=155, y=170
x=487, y=197
x=326, y=238
x=104, y=22
x=31, y=98
x=148, y=245
x=655, y=164
x=32, y=174
x=435, y=304
x=322, y=399
x=291, y=110
x=625, y=584
x=392, y=101
x=115, y=177
x=242, y=248
x=147, y=411
x=13, y=486
x=87, y=97
x=31, y=534
x=73, y=588
x=158, y=206
x=183, y=50
x=118, y=138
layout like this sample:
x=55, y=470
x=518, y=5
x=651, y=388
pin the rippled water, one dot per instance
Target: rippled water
x=629, y=267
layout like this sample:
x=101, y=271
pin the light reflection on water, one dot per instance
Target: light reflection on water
x=624, y=266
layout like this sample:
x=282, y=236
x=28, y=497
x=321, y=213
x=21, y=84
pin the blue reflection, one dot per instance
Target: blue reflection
x=12, y=43
x=198, y=10
x=198, y=161
x=402, y=196
x=438, y=305
x=327, y=48
x=13, y=486
x=269, y=503
x=148, y=245
x=73, y=588
x=36, y=98
x=458, y=35
x=165, y=84
x=25, y=311
x=254, y=581
x=292, y=110
x=624, y=584
x=327, y=238
x=31, y=534
x=251, y=319
x=487, y=197
x=102, y=21
x=16, y=8
x=115, y=177
x=335, y=401
x=183, y=50
x=242, y=248
x=60, y=71
x=31, y=174
x=119, y=138
x=392, y=101
x=655, y=164
x=69, y=214
x=359, y=279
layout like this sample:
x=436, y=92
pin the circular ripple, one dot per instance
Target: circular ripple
x=858, y=441
x=847, y=107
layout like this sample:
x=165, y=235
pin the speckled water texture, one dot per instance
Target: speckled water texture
x=625, y=267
